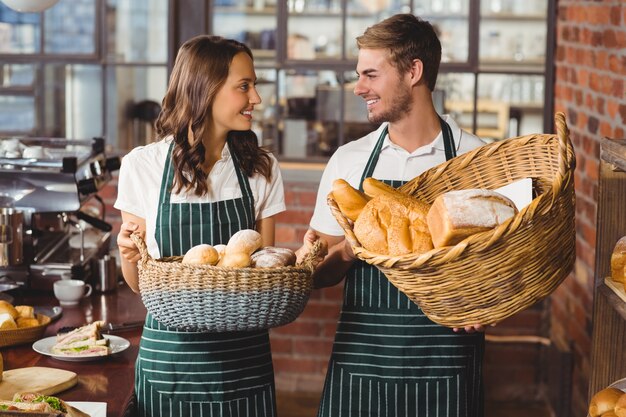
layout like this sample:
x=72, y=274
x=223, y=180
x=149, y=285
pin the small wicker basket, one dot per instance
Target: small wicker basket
x=215, y=299
x=25, y=334
x=491, y=275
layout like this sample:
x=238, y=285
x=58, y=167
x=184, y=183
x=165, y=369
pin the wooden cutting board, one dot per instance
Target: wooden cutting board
x=47, y=381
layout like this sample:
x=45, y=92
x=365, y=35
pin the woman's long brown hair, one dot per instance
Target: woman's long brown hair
x=200, y=70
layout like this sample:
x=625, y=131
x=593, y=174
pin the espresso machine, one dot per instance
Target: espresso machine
x=52, y=220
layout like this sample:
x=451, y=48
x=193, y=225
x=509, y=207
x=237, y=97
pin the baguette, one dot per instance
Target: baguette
x=349, y=200
x=373, y=188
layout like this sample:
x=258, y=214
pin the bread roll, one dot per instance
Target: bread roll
x=221, y=249
x=26, y=311
x=456, y=215
x=610, y=413
x=6, y=307
x=618, y=261
x=201, y=255
x=394, y=225
x=245, y=241
x=7, y=322
x=604, y=401
x=26, y=322
x=235, y=260
x=373, y=188
x=620, y=406
x=349, y=200
x=273, y=257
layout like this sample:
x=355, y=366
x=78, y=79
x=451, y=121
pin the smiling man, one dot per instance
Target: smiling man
x=388, y=358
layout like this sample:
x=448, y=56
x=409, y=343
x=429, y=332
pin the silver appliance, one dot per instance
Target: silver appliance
x=50, y=185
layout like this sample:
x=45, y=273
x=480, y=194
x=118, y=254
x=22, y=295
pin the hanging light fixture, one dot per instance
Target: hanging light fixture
x=30, y=6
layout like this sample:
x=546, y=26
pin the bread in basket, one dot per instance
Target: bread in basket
x=491, y=275
x=218, y=299
x=25, y=334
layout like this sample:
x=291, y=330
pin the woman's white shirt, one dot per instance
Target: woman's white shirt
x=139, y=185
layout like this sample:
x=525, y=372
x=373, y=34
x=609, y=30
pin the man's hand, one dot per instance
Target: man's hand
x=310, y=237
x=470, y=329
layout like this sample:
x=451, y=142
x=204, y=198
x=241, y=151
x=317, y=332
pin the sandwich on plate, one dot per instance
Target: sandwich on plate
x=33, y=403
x=83, y=341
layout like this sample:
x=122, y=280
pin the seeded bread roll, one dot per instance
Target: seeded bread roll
x=456, y=215
x=349, y=200
x=394, y=225
x=604, y=401
x=201, y=255
x=618, y=261
x=273, y=257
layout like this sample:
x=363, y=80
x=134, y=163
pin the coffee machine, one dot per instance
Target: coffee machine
x=52, y=220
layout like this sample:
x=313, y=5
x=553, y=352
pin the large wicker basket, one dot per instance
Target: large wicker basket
x=25, y=334
x=216, y=299
x=491, y=275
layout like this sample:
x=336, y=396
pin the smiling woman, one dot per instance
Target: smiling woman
x=203, y=182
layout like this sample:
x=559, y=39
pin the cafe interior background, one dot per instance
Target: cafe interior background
x=98, y=69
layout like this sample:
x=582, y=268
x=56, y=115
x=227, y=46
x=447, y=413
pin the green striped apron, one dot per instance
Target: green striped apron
x=185, y=373
x=389, y=359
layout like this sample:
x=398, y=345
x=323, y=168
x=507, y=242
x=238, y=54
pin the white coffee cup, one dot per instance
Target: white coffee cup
x=69, y=292
x=33, y=152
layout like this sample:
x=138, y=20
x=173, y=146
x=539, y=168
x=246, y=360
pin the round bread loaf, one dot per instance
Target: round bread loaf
x=6, y=307
x=201, y=255
x=618, y=261
x=394, y=224
x=245, y=241
x=620, y=406
x=604, y=401
x=273, y=257
x=7, y=322
x=235, y=260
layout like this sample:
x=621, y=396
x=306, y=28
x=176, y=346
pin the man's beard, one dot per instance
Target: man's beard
x=400, y=107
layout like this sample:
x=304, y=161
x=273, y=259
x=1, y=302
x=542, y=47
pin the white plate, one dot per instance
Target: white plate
x=92, y=408
x=54, y=312
x=44, y=346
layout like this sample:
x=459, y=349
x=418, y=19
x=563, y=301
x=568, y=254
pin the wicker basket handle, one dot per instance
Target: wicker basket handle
x=343, y=222
x=141, y=245
x=567, y=159
x=311, y=259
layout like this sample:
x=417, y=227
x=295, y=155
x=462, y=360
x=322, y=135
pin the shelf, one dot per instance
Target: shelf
x=513, y=16
x=613, y=151
x=616, y=297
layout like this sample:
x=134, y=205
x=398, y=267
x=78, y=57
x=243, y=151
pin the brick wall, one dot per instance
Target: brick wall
x=589, y=89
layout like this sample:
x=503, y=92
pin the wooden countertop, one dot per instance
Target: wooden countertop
x=108, y=380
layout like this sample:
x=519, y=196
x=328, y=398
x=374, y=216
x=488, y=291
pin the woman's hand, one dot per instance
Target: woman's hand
x=127, y=247
x=310, y=237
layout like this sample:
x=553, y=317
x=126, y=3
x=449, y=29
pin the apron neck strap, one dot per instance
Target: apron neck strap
x=448, y=143
x=168, y=177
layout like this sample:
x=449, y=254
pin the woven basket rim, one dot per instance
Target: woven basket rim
x=307, y=265
x=438, y=256
x=21, y=335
